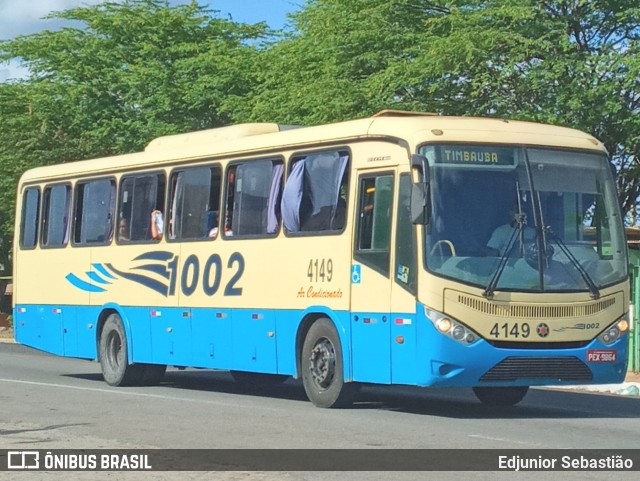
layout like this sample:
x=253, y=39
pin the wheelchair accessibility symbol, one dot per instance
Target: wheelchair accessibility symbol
x=355, y=274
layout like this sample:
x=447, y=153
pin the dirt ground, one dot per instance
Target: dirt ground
x=6, y=333
x=633, y=377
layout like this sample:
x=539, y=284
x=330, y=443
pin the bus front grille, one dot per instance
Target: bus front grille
x=536, y=311
x=522, y=368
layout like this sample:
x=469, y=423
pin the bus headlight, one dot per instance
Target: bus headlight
x=450, y=327
x=614, y=332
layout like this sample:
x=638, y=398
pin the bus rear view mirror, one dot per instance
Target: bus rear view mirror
x=420, y=208
x=420, y=165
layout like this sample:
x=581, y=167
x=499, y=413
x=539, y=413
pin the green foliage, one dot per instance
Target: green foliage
x=138, y=69
x=568, y=62
x=128, y=73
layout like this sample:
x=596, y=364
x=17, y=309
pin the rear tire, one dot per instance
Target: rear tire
x=501, y=396
x=322, y=367
x=114, y=360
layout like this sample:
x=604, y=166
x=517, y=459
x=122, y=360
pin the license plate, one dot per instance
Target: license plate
x=601, y=355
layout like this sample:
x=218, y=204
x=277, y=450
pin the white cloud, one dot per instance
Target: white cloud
x=22, y=17
x=12, y=71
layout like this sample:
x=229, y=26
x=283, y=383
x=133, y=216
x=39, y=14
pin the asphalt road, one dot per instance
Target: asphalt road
x=47, y=402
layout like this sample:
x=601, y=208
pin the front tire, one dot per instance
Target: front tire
x=322, y=367
x=114, y=360
x=501, y=396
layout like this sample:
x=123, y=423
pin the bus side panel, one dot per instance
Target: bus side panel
x=171, y=336
x=254, y=340
x=39, y=326
x=371, y=347
x=137, y=321
x=287, y=325
x=211, y=338
x=70, y=331
x=404, y=360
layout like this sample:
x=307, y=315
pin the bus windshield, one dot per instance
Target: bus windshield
x=523, y=219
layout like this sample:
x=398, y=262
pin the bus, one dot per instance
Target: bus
x=400, y=249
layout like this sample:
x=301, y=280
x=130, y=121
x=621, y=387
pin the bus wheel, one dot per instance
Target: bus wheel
x=322, y=367
x=501, y=396
x=114, y=361
x=258, y=378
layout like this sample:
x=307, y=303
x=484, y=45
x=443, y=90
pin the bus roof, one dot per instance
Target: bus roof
x=252, y=139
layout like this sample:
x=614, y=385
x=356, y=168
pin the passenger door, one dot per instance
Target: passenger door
x=371, y=279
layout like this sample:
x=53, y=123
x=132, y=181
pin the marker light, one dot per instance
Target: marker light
x=451, y=328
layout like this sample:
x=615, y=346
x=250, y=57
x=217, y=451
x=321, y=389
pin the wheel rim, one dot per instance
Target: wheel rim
x=322, y=363
x=115, y=353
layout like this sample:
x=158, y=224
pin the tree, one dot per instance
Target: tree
x=568, y=62
x=130, y=72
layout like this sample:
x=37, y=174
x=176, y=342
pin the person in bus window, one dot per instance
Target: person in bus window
x=499, y=240
x=123, y=229
x=157, y=225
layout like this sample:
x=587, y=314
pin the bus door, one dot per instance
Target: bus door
x=371, y=279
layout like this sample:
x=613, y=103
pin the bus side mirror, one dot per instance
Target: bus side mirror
x=420, y=165
x=420, y=205
x=420, y=198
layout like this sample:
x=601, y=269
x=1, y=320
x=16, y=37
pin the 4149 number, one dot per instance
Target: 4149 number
x=511, y=330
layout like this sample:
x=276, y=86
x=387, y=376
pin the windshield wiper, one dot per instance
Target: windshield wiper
x=595, y=292
x=518, y=231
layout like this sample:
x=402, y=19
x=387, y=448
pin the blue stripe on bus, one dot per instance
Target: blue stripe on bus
x=83, y=285
x=100, y=268
x=95, y=277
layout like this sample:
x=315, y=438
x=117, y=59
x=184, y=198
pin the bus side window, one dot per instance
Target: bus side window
x=375, y=199
x=314, y=197
x=405, y=265
x=140, y=195
x=55, y=215
x=30, y=213
x=194, y=204
x=94, y=212
x=254, y=191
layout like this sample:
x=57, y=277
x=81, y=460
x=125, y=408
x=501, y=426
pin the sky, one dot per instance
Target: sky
x=22, y=17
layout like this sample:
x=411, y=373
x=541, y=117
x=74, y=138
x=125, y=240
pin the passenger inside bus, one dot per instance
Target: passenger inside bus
x=499, y=240
x=157, y=225
x=123, y=229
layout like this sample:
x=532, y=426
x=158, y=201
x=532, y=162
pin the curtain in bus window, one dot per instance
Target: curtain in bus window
x=252, y=189
x=176, y=209
x=274, y=194
x=323, y=177
x=292, y=198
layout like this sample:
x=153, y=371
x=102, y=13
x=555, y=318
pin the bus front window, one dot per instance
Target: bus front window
x=509, y=218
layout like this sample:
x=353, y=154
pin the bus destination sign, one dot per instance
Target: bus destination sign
x=474, y=154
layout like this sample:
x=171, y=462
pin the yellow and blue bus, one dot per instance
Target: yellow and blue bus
x=405, y=249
